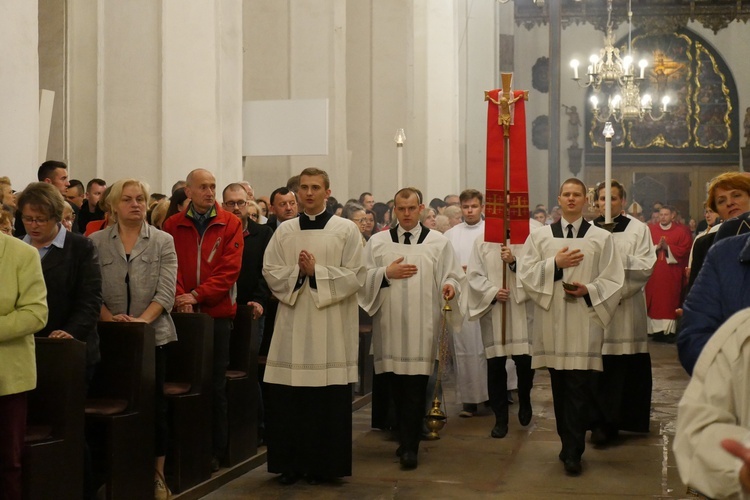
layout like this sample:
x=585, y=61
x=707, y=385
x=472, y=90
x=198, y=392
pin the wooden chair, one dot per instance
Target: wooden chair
x=120, y=409
x=188, y=391
x=53, y=458
x=242, y=388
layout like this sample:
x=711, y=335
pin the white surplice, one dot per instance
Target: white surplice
x=485, y=277
x=471, y=363
x=567, y=334
x=316, y=334
x=627, y=332
x=407, y=313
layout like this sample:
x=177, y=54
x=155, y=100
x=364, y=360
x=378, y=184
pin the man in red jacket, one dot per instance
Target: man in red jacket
x=209, y=246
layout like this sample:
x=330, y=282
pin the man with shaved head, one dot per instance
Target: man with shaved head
x=209, y=246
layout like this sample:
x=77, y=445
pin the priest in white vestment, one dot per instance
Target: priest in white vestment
x=313, y=265
x=411, y=271
x=486, y=296
x=471, y=364
x=568, y=330
x=624, y=386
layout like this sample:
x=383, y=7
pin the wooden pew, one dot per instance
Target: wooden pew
x=188, y=390
x=242, y=388
x=53, y=458
x=120, y=409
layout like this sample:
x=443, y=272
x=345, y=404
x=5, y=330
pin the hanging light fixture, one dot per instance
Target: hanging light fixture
x=609, y=69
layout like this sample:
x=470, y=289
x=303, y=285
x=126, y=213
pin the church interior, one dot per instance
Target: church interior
x=153, y=89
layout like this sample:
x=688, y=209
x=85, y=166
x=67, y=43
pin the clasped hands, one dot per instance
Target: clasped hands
x=565, y=258
x=184, y=302
x=306, y=263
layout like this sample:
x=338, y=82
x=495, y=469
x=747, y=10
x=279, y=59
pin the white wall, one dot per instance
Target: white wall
x=19, y=92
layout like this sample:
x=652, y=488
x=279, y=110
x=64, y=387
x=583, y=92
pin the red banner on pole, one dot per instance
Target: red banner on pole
x=517, y=200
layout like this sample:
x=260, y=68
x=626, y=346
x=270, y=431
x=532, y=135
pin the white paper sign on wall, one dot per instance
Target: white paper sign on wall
x=285, y=127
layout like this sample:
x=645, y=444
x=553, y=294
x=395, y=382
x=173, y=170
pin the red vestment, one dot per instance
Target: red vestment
x=664, y=288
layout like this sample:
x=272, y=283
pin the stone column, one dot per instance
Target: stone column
x=19, y=92
x=433, y=163
x=162, y=93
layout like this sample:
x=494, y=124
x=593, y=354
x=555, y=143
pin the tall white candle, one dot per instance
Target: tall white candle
x=608, y=133
x=400, y=138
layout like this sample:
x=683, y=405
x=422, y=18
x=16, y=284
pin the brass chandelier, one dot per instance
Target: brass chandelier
x=609, y=69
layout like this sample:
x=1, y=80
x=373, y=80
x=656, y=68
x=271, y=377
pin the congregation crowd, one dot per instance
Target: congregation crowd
x=580, y=297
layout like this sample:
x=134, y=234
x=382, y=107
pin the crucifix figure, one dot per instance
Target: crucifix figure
x=504, y=102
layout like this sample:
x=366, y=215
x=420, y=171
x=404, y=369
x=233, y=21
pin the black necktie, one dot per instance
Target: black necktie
x=570, y=231
x=406, y=238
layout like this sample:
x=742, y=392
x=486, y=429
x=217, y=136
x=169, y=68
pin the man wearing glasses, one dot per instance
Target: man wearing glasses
x=251, y=287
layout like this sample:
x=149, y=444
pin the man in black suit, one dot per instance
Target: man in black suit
x=70, y=264
x=283, y=207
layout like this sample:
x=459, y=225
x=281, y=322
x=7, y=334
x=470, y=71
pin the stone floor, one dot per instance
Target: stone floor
x=467, y=463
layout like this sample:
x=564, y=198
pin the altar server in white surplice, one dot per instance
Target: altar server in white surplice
x=624, y=387
x=485, y=307
x=410, y=271
x=471, y=364
x=313, y=265
x=568, y=330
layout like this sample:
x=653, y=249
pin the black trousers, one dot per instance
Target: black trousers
x=309, y=430
x=573, y=399
x=409, y=397
x=497, y=383
x=624, y=393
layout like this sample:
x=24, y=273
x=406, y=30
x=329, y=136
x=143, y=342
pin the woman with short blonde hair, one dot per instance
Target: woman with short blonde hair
x=139, y=274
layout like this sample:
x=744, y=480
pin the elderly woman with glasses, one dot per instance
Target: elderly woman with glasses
x=139, y=268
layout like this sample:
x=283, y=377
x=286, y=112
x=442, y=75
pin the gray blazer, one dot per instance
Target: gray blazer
x=150, y=275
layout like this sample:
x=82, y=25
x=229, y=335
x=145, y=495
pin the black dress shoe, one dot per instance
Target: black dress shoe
x=573, y=467
x=499, y=431
x=659, y=337
x=524, y=414
x=408, y=460
x=313, y=479
x=599, y=437
x=288, y=478
x=215, y=464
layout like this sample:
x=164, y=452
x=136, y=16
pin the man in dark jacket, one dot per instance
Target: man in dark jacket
x=209, y=248
x=251, y=287
x=283, y=205
x=90, y=210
